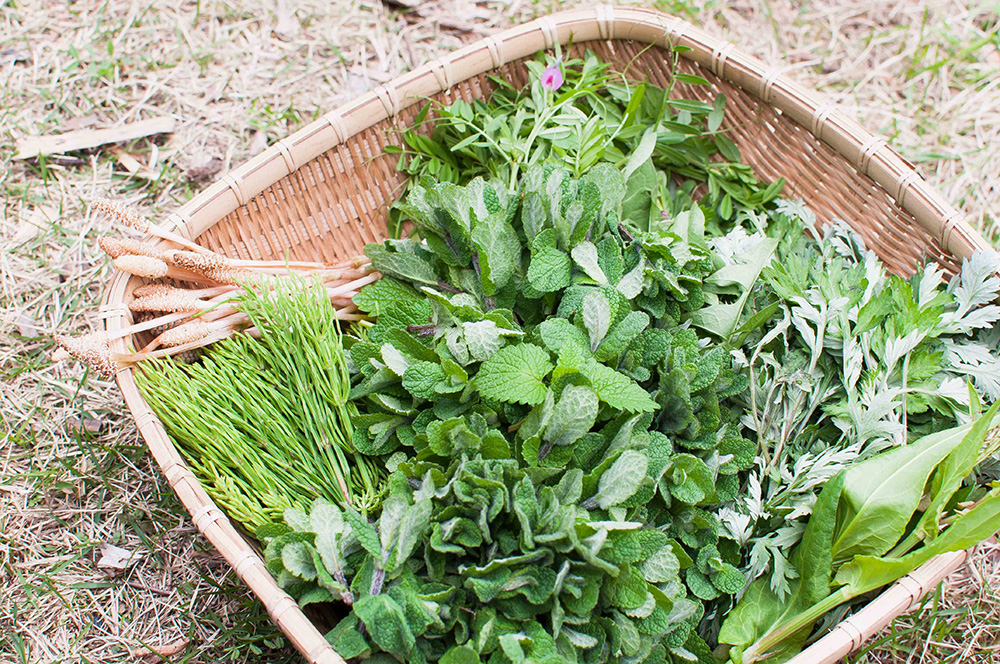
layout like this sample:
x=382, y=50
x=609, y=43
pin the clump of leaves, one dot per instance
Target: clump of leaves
x=554, y=425
x=664, y=146
x=848, y=362
x=873, y=523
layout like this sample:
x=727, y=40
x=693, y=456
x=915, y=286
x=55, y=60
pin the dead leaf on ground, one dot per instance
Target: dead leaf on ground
x=258, y=143
x=27, y=327
x=116, y=558
x=205, y=170
x=165, y=650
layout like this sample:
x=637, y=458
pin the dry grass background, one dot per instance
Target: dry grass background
x=237, y=74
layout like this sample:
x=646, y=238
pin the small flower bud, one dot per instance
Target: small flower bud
x=120, y=246
x=141, y=266
x=90, y=350
x=186, y=333
x=552, y=78
x=123, y=214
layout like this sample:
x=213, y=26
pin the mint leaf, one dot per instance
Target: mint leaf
x=631, y=284
x=621, y=335
x=661, y=567
x=364, y=532
x=557, y=332
x=621, y=480
x=460, y=655
x=585, y=255
x=415, y=521
x=377, y=297
x=497, y=250
x=637, y=206
x=514, y=374
x=297, y=558
x=572, y=417
x=386, y=622
x=550, y=268
x=616, y=389
x=394, y=359
x=482, y=339
x=408, y=267
x=596, y=312
x=420, y=379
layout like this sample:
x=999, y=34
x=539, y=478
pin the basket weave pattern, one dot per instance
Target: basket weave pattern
x=324, y=192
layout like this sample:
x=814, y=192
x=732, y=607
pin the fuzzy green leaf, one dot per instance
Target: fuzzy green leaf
x=514, y=374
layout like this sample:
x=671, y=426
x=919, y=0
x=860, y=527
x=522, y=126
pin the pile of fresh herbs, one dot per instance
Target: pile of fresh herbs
x=614, y=380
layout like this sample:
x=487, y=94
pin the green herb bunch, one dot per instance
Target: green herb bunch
x=850, y=361
x=873, y=523
x=266, y=423
x=529, y=362
x=664, y=146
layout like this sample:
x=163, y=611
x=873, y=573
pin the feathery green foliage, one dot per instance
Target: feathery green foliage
x=266, y=423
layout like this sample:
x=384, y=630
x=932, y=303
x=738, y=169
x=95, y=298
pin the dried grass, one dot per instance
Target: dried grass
x=235, y=75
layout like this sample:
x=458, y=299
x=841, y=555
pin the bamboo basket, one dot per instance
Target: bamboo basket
x=323, y=193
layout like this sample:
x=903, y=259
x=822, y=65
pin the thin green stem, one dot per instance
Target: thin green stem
x=765, y=644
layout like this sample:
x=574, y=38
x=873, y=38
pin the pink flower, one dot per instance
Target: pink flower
x=552, y=78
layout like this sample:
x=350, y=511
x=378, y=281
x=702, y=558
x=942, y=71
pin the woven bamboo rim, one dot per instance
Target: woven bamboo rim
x=323, y=193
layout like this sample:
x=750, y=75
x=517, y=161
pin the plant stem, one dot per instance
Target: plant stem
x=773, y=637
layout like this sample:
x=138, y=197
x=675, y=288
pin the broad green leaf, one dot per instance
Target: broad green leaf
x=557, y=332
x=549, y=270
x=760, y=611
x=421, y=378
x=414, y=523
x=327, y=521
x=865, y=573
x=616, y=389
x=482, y=338
x=498, y=251
x=881, y=494
x=393, y=510
x=622, y=334
x=364, y=532
x=460, y=655
x=642, y=185
x=952, y=472
x=610, y=183
x=661, y=567
x=632, y=282
x=386, y=623
x=689, y=479
x=297, y=558
x=642, y=152
x=514, y=374
x=297, y=520
x=407, y=267
x=375, y=298
x=394, y=359
x=585, y=255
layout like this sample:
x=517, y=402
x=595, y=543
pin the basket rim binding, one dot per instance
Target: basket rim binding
x=870, y=154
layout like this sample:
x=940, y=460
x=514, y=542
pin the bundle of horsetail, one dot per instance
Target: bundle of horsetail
x=266, y=422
